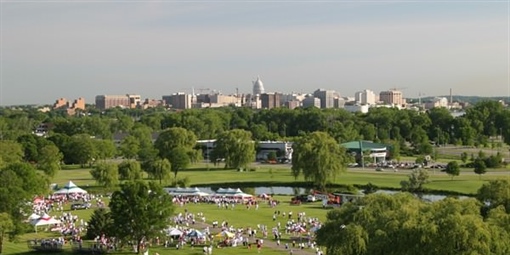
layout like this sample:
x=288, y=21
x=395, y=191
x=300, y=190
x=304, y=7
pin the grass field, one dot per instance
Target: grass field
x=265, y=175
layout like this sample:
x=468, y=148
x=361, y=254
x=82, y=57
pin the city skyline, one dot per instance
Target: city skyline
x=53, y=49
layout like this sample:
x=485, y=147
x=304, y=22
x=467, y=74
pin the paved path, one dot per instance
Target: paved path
x=268, y=242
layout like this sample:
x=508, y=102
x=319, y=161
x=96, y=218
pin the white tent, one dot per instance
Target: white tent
x=174, y=232
x=70, y=188
x=33, y=217
x=44, y=220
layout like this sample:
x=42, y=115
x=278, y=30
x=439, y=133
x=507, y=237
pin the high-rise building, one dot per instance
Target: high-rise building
x=61, y=102
x=393, y=97
x=258, y=87
x=327, y=97
x=270, y=100
x=365, y=97
x=312, y=101
x=109, y=101
x=179, y=100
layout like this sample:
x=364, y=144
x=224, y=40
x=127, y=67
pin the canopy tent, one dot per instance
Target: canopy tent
x=225, y=234
x=186, y=192
x=195, y=233
x=70, y=188
x=33, y=217
x=174, y=232
x=232, y=193
x=44, y=220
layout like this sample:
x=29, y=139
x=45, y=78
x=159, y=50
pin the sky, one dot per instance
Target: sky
x=71, y=49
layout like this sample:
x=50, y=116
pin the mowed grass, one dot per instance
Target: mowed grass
x=280, y=175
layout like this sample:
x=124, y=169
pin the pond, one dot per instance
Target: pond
x=298, y=191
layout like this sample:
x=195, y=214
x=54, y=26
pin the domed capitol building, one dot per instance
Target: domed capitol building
x=258, y=87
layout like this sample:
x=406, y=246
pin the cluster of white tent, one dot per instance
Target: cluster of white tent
x=221, y=192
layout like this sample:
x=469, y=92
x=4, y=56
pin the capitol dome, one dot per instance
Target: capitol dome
x=258, y=87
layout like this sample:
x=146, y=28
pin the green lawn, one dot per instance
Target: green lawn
x=264, y=175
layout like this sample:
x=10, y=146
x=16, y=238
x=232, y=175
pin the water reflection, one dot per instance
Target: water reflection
x=279, y=190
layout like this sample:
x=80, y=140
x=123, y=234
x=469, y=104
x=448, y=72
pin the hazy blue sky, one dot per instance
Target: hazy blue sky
x=86, y=48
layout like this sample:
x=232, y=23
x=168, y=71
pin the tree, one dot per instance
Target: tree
x=130, y=170
x=236, y=147
x=319, y=158
x=464, y=157
x=480, y=167
x=100, y=223
x=49, y=160
x=140, y=211
x=159, y=169
x=129, y=147
x=179, y=159
x=106, y=174
x=173, y=138
x=6, y=225
x=495, y=193
x=10, y=152
x=417, y=179
x=452, y=169
x=104, y=149
x=19, y=182
x=81, y=150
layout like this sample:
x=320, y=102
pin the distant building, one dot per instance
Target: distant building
x=365, y=97
x=437, y=102
x=392, y=97
x=59, y=103
x=311, y=101
x=327, y=97
x=292, y=104
x=270, y=100
x=357, y=108
x=104, y=102
x=178, y=100
x=62, y=103
x=258, y=87
x=151, y=103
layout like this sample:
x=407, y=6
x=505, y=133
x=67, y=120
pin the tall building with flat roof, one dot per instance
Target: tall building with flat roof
x=327, y=97
x=365, y=97
x=179, y=100
x=110, y=101
x=393, y=97
x=270, y=100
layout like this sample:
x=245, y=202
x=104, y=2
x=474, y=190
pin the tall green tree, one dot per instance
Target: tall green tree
x=129, y=147
x=6, y=225
x=319, y=158
x=10, y=152
x=81, y=150
x=173, y=138
x=140, y=211
x=19, y=182
x=100, y=223
x=452, y=169
x=159, y=169
x=236, y=147
x=130, y=170
x=49, y=160
x=106, y=174
x=495, y=193
x=179, y=160
x=479, y=167
x=417, y=179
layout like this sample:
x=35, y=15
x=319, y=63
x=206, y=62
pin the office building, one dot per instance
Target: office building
x=327, y=97
x=392, y=97
x=365, y=97
x=104, y=102
x=270, y=100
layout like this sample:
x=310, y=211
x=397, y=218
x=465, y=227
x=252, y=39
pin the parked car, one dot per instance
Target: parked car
x=80, y=206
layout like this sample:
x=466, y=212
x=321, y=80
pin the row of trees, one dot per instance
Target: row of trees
x=481, y=122
x=412, y=226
